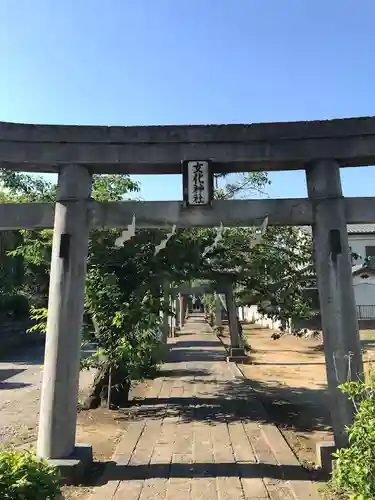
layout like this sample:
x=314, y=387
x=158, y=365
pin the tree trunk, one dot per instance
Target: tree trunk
x=119, y=392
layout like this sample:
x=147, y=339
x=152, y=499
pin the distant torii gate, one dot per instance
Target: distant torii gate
x=76, y=152
x=223, y=286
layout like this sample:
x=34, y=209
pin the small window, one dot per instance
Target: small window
x=370, y=251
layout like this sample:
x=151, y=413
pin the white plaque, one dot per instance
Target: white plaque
x=198, y=173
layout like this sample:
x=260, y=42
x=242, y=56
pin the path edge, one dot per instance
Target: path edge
x=280, y=447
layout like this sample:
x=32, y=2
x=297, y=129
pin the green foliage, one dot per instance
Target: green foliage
x=127, y=336
x=242, y=185
x=31, y=250
x=11, y=267
x=39, y=315
x=24, y=477
x=19, y=188
x=273, y=274
x=112, y=187
x=123, y=297
x=354, y=471
x=126, y=328
x=210, y=303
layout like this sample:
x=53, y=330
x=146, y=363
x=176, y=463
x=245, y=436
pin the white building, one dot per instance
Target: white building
x=362, y=243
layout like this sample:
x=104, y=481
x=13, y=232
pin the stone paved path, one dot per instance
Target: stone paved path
x=201, y=434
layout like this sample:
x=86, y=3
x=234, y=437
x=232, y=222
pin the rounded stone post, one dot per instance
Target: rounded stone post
x=177, y=311
x=182, y=310
x=232, y=318
x=218, y=311
x=336, y=295
x=58, y=410
x=166, y=292
x=172, y=318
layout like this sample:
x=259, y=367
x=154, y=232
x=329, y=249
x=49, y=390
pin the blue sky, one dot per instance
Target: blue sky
x=139, y=62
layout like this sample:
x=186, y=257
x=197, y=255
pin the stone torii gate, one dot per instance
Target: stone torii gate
x=221, y=284
x=177, y=298
x=224, y=286
x=76, y=152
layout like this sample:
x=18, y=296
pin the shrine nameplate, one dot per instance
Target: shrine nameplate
x=197, y=182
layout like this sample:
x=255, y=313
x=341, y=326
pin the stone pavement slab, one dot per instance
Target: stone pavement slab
x=201, y=434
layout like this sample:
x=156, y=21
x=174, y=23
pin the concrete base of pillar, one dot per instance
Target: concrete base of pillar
x=324, y=459
x=74, y=469
x=237, y=355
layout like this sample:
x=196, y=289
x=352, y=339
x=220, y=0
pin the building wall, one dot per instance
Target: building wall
x=364, y=291
x=358, y=243
x=252, y=315
x=364, y=296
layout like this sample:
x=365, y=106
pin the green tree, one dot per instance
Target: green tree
x=123, y=287
x=122, y=300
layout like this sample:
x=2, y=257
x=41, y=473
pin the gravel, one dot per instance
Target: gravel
x=20, y=387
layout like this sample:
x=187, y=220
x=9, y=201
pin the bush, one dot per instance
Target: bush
x=354, y=469
x=24, y=477
x=14, y=305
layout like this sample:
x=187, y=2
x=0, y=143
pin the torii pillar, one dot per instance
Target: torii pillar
x=172, y=318
x=182, y=309
x=218, y=311
x=177, y=311
x=342, y=347
x=166, y=306
x=59, y=396
x=237, y=352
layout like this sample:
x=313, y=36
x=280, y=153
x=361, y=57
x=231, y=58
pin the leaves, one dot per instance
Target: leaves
x=354, y=471
x=113, y=187
x=23, y=476
x=123, y=296
x=39, y=315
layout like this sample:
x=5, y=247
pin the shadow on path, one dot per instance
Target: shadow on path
x=295, y=408
x=6, y=373
x=201, y=355
x=208, y=410
x=31, y=355
x=8, y=386
x=195, y=343
x=178, y=373
x=116, y=472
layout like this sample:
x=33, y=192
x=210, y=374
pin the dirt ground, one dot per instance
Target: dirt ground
x=20, y=384
x=102, y=429
x=289, y=377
